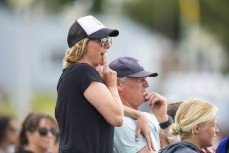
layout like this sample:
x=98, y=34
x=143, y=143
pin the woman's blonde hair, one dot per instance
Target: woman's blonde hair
x=75, y=53
x=192, y=112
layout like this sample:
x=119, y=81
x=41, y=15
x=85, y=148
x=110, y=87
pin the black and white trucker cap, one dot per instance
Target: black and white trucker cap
x=88, y=27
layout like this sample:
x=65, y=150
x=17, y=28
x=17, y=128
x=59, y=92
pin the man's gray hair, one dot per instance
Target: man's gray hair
x=123, y=79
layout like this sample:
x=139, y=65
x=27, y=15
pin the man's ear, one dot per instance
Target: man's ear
x=119, y=85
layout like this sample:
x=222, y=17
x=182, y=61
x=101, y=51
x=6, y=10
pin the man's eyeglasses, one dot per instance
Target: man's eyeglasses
x=105, y=41
x=44, y=131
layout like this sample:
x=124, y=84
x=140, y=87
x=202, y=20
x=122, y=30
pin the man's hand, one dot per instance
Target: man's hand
x=143, y=127
x=158, y=106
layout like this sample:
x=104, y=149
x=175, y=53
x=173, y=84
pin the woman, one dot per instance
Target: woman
x=195, y=123
x=8, y=134
x=88, y=104
x=38, y=134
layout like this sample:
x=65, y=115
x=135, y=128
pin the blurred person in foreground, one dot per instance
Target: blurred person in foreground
x=8, y=134
x=195, y=123
x=223, y=146
x=132, y=85
x=88, y=104
x=38, y=134
x=55, y=147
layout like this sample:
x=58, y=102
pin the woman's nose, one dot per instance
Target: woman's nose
x=217, y=130
x=107, y=46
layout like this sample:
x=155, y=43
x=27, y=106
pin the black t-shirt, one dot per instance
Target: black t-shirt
x=82, y=128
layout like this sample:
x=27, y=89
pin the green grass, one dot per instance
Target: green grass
x=44, y=103
x=41, y=103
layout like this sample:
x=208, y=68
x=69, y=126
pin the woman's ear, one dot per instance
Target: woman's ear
x=29, y=135
x=196, y=129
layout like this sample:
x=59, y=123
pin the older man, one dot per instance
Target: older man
x=132, y=87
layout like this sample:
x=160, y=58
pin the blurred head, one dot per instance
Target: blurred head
x=196, y=119
x=172, y=109
x=88, y=38
x=38, y=131
x=8, y=129
x=223, y=146
x=132, y=83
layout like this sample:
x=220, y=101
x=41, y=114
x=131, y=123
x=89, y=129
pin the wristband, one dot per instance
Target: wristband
x=166, y=124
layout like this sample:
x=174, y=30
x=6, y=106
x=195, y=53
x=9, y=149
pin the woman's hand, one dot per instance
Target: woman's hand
x=143, y=127
x=109, y=76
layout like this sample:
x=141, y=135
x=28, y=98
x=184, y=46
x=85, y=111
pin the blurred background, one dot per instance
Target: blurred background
x=185, y=41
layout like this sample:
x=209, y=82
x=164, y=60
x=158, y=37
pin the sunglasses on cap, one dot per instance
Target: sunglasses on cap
x=44, y=131
x=105, y=41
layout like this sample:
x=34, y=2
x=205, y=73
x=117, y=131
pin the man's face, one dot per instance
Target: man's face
x=133, y=90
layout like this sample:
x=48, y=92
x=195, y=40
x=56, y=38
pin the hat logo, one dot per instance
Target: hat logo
x=139, y=64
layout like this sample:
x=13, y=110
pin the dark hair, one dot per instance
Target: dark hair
x=31, y=124
x=172, y=108
x=4, y=123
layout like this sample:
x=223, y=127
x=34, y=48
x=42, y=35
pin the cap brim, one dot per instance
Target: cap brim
x=143, y=74
x=102, y=33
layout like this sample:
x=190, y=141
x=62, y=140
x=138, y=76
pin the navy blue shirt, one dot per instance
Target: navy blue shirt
x=180, y=147
x=82, y=128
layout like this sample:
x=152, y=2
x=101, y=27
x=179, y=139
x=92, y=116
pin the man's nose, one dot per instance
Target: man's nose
x=146, y=84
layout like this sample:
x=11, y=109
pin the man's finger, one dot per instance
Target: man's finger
x=148, y=95
x=151, y=97
x=151, y=104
